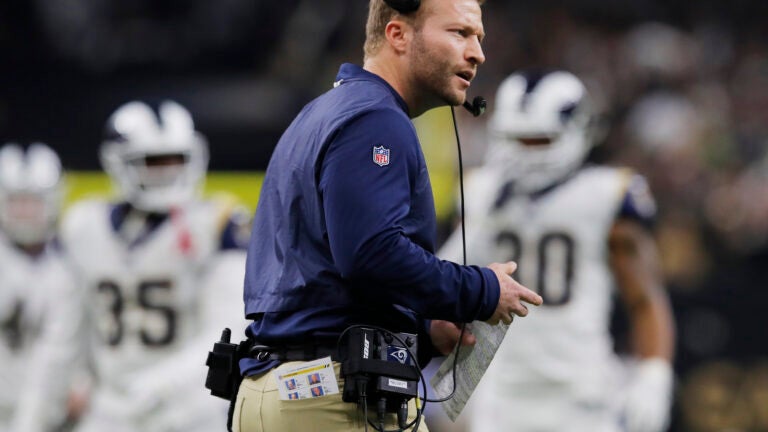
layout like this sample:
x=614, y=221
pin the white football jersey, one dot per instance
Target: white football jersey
x=156, y=309
x=30, y=287
x=559, y=238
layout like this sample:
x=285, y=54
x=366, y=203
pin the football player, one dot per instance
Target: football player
x=163, y=271
x=581, y=235
x=33, y=276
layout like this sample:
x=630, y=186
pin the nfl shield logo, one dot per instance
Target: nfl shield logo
x=381, y=156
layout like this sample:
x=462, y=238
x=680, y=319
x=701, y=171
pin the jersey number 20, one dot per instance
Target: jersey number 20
x=554, y=266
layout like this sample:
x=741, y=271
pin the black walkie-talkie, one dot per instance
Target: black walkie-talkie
x=224, y=378
x=222, y=367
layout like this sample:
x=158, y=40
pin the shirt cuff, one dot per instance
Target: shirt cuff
x=491, y=292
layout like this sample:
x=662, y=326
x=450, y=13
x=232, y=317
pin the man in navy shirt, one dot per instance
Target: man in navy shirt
x=345, y=229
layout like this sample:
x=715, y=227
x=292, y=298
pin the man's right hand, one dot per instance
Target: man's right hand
x=511, y=295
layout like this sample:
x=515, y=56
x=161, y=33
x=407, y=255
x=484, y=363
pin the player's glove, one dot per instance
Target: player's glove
x=649, y=396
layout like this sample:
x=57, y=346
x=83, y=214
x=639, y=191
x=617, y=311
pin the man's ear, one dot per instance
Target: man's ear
x=398, y=35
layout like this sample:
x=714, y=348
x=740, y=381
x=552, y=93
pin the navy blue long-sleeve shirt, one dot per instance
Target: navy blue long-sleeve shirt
x=345, y=228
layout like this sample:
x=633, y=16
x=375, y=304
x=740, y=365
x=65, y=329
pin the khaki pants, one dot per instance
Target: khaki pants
x=259, y=409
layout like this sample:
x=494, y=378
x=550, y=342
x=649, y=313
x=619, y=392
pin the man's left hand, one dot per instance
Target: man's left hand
x=445, y=334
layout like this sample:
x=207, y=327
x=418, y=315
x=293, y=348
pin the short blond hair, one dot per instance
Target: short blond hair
x=379, y=15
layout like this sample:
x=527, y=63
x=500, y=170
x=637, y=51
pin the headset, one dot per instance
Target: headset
x=477, y=107
x=404, y=6
x=478, y=104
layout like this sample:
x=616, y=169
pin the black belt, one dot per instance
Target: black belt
x=293, y=353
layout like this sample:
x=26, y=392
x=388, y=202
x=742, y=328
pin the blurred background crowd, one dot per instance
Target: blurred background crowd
x=682, y=88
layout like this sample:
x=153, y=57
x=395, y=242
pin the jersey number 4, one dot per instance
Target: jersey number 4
x=158, y=317
x=554, y=254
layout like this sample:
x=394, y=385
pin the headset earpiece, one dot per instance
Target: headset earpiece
x=404, y=6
